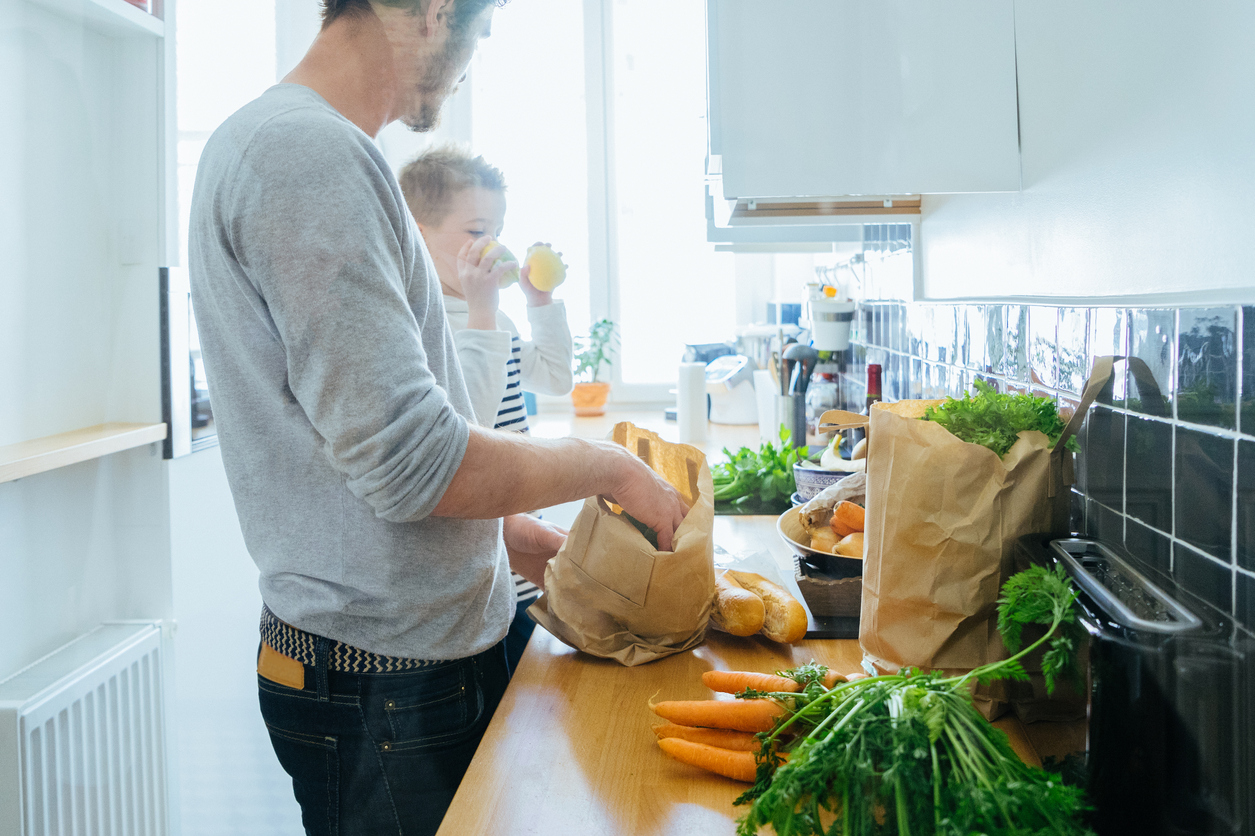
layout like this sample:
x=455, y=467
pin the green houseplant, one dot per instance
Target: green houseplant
x=594, y=353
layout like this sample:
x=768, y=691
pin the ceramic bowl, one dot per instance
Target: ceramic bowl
x=812, y=480
x=791, y=530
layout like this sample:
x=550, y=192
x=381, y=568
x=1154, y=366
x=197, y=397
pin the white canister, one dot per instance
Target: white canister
x=830, y=323
x=690, y=412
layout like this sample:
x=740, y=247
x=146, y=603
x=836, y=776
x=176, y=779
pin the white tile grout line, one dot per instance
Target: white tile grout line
x=1237, y=420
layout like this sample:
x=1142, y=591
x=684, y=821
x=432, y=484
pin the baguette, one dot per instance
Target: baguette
x=784, y=619
x=737, y=610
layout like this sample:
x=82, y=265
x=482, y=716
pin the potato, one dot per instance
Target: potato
x=823, y=539
x=850, y=546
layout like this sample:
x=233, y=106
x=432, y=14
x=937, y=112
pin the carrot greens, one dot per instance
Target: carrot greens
x=908, y=753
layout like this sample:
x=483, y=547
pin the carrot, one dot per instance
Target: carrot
x=738, y=741
x=741, y=715
x=733, y=682
x=739, y=766
x=847, y=518
x=831, y=678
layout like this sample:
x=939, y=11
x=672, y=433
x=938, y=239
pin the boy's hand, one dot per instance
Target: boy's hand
x=481, y=284
x=535, y=298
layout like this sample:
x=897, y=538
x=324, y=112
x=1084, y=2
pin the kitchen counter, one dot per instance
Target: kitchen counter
x=571, y=751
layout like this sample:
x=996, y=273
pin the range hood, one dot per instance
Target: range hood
x=792, y=223
x=796, y=222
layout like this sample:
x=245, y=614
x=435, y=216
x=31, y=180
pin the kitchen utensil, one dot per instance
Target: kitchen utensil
x=791, y=414
x=804, y=358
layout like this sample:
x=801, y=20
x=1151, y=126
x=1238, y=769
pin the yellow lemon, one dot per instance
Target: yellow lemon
x=548, y=271
x=512, y=275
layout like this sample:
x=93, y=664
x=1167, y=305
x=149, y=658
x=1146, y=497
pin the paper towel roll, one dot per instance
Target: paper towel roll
x=690, y=410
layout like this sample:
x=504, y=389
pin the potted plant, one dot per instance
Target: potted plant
x=593, y=353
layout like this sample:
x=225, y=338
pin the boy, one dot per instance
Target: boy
x=459, y=204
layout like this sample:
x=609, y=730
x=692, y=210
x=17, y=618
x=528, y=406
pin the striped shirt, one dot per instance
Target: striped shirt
x=512, y=414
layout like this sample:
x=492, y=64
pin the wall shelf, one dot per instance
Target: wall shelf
x=112, y=17
x=38, y=455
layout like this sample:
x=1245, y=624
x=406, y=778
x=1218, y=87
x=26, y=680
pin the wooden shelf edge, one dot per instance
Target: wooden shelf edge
x=26, y=458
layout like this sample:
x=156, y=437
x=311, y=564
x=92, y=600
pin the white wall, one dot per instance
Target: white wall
x=1137, y=125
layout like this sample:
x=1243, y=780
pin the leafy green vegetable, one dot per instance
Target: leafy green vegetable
x=908, y=753
x=751, y=480
x=995, y=420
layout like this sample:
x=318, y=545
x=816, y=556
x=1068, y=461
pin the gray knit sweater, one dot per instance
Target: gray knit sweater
x=341, y=411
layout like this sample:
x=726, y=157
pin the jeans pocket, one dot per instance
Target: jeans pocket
x=432, y=708
x=313, y=763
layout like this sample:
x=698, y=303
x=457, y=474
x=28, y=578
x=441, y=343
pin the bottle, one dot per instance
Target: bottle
x=873, y=391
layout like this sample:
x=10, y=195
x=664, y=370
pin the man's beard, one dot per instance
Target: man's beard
x=438, y=83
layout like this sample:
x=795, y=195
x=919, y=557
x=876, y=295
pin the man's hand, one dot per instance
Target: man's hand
x=647, y=496
x=481, y=282
x=530, y=543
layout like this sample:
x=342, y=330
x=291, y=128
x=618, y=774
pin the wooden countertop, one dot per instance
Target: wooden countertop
x=571, y=751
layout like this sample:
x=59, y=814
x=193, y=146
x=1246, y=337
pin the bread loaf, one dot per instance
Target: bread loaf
x=737, y=610
x=784, y=618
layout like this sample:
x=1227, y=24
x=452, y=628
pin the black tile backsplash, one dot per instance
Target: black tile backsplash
x=1204, y=491
x=1152, y=547
x=1148, y=472
x=1209, y=580
x=1245, y=489
x=1207, y=367
x=1152, y=337
x=1156, y=472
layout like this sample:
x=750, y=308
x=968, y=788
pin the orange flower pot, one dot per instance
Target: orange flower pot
x=590, y=398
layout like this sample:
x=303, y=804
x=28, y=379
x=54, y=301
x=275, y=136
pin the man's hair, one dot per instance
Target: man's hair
x=430, y=181
x=463, y=10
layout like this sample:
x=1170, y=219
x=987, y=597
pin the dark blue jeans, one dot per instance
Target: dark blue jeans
x=381, y=753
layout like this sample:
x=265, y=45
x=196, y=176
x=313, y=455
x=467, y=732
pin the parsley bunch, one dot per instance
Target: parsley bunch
x=751, y=480
x=908, y=753
x=994, y=420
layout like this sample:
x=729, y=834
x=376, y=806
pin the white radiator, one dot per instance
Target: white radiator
x=82, y=739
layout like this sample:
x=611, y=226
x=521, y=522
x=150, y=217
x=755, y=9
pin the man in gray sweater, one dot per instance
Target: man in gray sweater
x=384, y=522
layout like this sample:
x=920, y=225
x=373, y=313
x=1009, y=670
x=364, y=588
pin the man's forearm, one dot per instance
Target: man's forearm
x=507, y=473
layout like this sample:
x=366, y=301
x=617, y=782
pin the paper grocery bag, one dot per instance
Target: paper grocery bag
x=942, y=519
x=610, y=593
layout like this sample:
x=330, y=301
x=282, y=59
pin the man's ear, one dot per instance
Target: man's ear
x=437, y=16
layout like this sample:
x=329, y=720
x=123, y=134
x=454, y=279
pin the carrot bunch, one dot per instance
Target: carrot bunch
x=723, y=736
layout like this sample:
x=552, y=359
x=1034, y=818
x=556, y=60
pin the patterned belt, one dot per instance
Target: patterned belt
x=299, y=645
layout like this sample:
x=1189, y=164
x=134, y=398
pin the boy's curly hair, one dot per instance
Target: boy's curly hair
x=431, y=179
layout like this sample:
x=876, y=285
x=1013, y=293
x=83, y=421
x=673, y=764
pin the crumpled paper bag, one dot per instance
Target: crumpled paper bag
x=610, y=593
x=943, y=516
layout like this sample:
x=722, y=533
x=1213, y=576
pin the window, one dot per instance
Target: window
x=594, y=110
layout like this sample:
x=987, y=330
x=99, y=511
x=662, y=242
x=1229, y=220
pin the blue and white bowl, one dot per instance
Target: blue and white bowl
x=811, y=480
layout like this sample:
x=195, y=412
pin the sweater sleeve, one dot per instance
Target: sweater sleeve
x=546, y=358
x=317, y=227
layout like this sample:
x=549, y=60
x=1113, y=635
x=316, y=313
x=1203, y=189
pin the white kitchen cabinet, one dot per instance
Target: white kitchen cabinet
x=813, y=98
x=89, y=209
